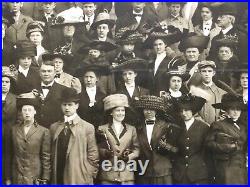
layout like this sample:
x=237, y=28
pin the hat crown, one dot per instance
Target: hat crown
x=102, y=16
x=34, y=26
x=115, y=100
x=69, y=95
x=206, y=63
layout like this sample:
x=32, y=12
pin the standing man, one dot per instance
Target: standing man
x=74, y=150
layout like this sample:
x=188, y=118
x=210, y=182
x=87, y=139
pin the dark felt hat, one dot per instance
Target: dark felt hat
x=69, y=95
x=135, y=64
x=242, y=68
x=227, y=9
x=183, y=75
x=128, y=36
x=25, y=48
x=98, y=69
x=27, y=99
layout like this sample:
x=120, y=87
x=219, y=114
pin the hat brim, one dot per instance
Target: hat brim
x=184, y=77
x=109, y=22
x=76, y=24
x=225, y=106
x=99, y=70
x=137, y=65
x=27, y=101
x=99, y=45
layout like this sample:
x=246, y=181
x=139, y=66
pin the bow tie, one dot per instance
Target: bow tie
x=58, y=75
x=135, y=14
x=46, y=87
x=150, y=122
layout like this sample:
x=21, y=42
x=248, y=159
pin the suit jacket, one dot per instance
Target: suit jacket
x=127, y=140
x=159, y=14
x=190, y=160
x=82, y=153
x=31, y=154
x=17, y=31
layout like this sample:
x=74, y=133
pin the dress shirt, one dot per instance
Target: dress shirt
x=130, y=88
x=209, y=84
x=26, y=128
x=138, y=16
x=189, y=123
x=23, y=71
x=4, y=97
x=46, y=91
x=91, y=93
x=90, y=19
x=40, y=50
x=69, y=119
x=118, y=127
x=103, y=39
x=175, y=93
x=158, y=60
x=225, y=31
x=149, y=129
x=207, y=25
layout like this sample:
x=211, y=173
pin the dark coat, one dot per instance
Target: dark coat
x=190, y=160
x=229, y=161
x=31, y=154
x=8, y=53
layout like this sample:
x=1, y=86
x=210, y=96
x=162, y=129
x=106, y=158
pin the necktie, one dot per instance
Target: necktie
x=46, y=87
x=150, y=122
x=88, y=24
x=66, y=128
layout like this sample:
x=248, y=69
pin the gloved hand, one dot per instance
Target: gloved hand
x=108, y=153
x=123, y=157
x=163, y=145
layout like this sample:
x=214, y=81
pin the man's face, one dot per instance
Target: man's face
x=159, y=46
x=36, y=38
x=129, y=76
x=225, y=53
x=175, y=83
x=224, y=21
x=15, y=6
x=69, y=30
x=89, y=9
x=138, y=7
x=234, y=113
x=128, y=48
x=149, y=114
x=102, y=30
x=244, y=80
x=58, y=62
x=192, y=54
x=5, y=84
x=94, y=53
x=25, y=62
x=206, y=14
x=28, y=112
x=207, y=74
x=48, y=8
x=69, y=108
x=175, y=9
x=90, y=79
x=186, y=114
x=47, y=73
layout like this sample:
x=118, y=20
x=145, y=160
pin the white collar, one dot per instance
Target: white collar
x=209, y=84
x=23, y=71
x=225, y=31
x=70, y=118
x=91, y=88
x=209, y=22
x=103, y=39
x=162, y=55
x=50, y=84
x=175, y=93
x=138, y=13
x=130, y=85
x=189, y=123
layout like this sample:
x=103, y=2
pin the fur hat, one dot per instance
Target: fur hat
x=115, y=100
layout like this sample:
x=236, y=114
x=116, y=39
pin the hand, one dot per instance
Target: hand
x=108, y=153
x=76, y=84
x=125, y=158
x=126, y=152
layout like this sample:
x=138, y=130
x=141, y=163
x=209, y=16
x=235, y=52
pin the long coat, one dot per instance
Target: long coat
x=230, y=163
x=82, y=153
x=127, y=140
x=31, y=154
x=190, y=161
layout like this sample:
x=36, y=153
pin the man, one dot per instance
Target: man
x=74, y=150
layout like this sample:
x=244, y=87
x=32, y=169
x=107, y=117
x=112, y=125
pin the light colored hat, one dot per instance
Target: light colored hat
x=103, y=18
x=34, y=26
x=115, y=100
x=206, y=63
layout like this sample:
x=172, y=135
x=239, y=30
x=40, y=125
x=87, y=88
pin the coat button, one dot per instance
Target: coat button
x=186, y=165
x=186, y=156
x=187, y=148
x=187, y=138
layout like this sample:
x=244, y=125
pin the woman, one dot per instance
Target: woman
x=121, y=141
x=190, y=162
x=227, y=140
x=30, y=146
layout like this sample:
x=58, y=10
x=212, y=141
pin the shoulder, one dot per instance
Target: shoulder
x=66, y=75
x=103, y=127
x=55, y=125
x=27, y=18
x=201, y=123
x=84, y=124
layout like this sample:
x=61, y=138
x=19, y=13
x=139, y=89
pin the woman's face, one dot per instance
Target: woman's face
x=129, y=76
x=25, y=62
x=149, y=114
x=159, y=46
x=244, y=80
x=58, y=62
x=118, y=114
x=102, y=30
x=5, y=84
x=69, y=30
x=234, y=113
x=94, y=53
x=28, y=112
x=206, y=14
x=36, y=38
x=175, y=83
x=186, y=114
x=225, y=53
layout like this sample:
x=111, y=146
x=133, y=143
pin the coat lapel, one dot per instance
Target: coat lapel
x=112, y=132
x=157, y=132
x=32, y=130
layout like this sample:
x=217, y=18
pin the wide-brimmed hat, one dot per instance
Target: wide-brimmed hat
x=191, y=102
x=242, y=68
x=192, y=40
x=230, y=100
x=34, y=26
x=27, y=99
x=67, y=20
x=115, y=100
x=25, y=48
x=206, y=63
x=103, y=18
x=227, y=41
x=98, y=69
x=227, y=9
x=127, y=36
x=171, y=35
x=69, y=95
x=104, y=46
x=135, y=64
x=183, y=75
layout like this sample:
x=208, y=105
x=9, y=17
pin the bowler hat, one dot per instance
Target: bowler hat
x=25, y=48
x=115, y=100
x=69, y=95
x=98, y=69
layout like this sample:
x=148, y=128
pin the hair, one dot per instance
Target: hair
x=232, y=19
x=48, y=63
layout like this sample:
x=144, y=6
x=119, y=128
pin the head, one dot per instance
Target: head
x=234, y=112
x=25, y=61
x=47, y=72
x=149, y=114
x=15, y=7
x=28, y=112
x=90, y=79
x=206, y=13
x=138, y=7
x=244, y=80
x=48, y=7
x=89, y=9
x=128, y=47
x=175, y=83
x=186, y=113
x=192, y=54
x=102, y=30
x=207, y=74
x=175, y=9
x=159, y=46
x=58, y=63
x=224, y=21
x=69, y=108
x=68, y=31
x=36, y=38
x=129, y=76
x=225, y=53
x=94, y=53
x=5, y=85
x=118, y=113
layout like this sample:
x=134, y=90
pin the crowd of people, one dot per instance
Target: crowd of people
x=163, y=84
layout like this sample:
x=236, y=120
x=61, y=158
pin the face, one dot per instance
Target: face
x=102, y=30
x=15, y=6
x=94, y=53
x=225, y=53
x=244, y=80
x=58, y=62
x=118, y=113
x=149, y=114
x=69, y=108
x=206, y=14
x=186, y=114
x=68, y=30
x=128, y=47
x=175, y=9
x=89, y=9
x=28, y=112
x=192, y=54
x=5, y=84
x=234, y=113
x=159, y=46
x=129, y=76
x=207, y=74
x=175, y=83
x=3, y=30
x=90, y=79
x=48, y=8
x=224, y=21
x=47, y=73
x=138, y=7
x=36, y=38
x=25, y=62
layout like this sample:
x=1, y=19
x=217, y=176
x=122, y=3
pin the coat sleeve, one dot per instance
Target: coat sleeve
x=45, y=155
x=135, y=145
